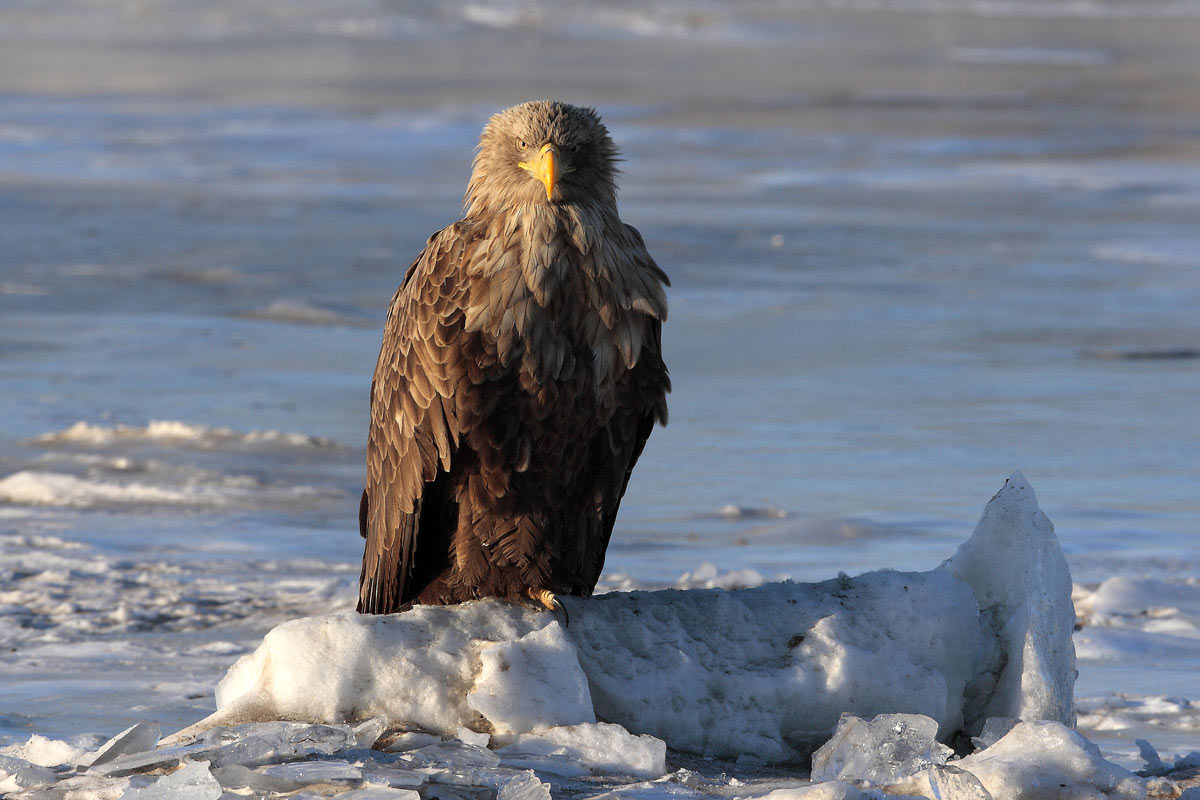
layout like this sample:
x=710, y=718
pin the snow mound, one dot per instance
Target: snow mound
x=531, y=684
x=1019, y=575
x=766, y=671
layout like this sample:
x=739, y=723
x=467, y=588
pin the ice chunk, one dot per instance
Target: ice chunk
x=154, y=759
x=602, y=747
x=393, y=776
x=531, y=683
x=136, y=739
x=1154, y=762
x=947, y=782
x=366, y=734
x=1043, y=759
x=256, y=744
x=193, y=782
x=454, y=754
x=407, y=740
x=879, y=751
x=235, y=776
x=472, y=737
x=830, y=790
x=1019, y=575
x=306, y=772
x=17, y=774
x=379, y=793
x=524, y=787
x=994, y=729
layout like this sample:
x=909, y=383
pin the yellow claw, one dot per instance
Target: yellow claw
x=549, y=602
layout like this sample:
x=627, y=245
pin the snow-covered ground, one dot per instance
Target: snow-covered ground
x=951, y=683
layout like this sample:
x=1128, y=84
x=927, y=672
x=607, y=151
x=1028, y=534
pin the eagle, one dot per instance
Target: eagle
x=520, y=375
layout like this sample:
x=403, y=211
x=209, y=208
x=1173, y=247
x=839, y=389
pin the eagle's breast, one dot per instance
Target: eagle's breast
x=562, y=295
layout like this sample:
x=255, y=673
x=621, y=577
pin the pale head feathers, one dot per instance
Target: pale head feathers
x=499, y=185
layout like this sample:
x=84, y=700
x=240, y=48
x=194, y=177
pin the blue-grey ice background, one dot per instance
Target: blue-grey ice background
x=914, y=246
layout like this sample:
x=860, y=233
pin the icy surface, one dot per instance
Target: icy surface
x=601, y=747
x=1020, y=577
x=530, y=684
x=193, y=781
x=881, y=750
x=488, y=700
x=765, y=670
x=1045, y=759
x=17, y=774
x=135, y=739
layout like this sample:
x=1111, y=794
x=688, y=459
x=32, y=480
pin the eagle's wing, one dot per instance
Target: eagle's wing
x=627, y=433
x=415, y=426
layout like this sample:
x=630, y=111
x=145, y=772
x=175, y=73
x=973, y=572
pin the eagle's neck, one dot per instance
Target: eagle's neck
x=567, y=275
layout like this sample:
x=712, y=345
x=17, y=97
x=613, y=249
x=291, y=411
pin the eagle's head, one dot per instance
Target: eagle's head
x=542, y=152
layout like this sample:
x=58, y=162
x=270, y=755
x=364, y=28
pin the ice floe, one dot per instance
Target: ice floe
x=489, y=700
x=1020, y=578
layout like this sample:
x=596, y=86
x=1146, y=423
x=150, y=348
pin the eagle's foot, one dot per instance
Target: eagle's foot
x=546, y=598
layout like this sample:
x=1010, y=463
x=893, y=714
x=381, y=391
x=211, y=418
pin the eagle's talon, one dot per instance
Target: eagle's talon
x=551, y=603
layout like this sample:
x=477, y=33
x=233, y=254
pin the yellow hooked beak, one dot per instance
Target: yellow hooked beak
x=545, y=168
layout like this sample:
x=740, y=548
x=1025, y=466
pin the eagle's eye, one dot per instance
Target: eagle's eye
x=523, y=144
x=573, y=148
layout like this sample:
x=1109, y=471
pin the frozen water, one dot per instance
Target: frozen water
x=525, y=787
x=309, y=772
x=531, y=684
x=392, y=775
x=994, y=729
x=601, y=747
x=879, y=751
x=17, y=774
x=368, y=732
x=236, y=776
x=380, y=793
x=193, y=781
x=1019, y=574
x=761, y=673
x=408, y=740
x=774, y=665
x=131, y=763
x=1045, y=759
x=768, y=671
x=830, y=790
x=944, y=782
x=472, y=737
x=135, y=739
x=454, y=754
x=256, y=744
